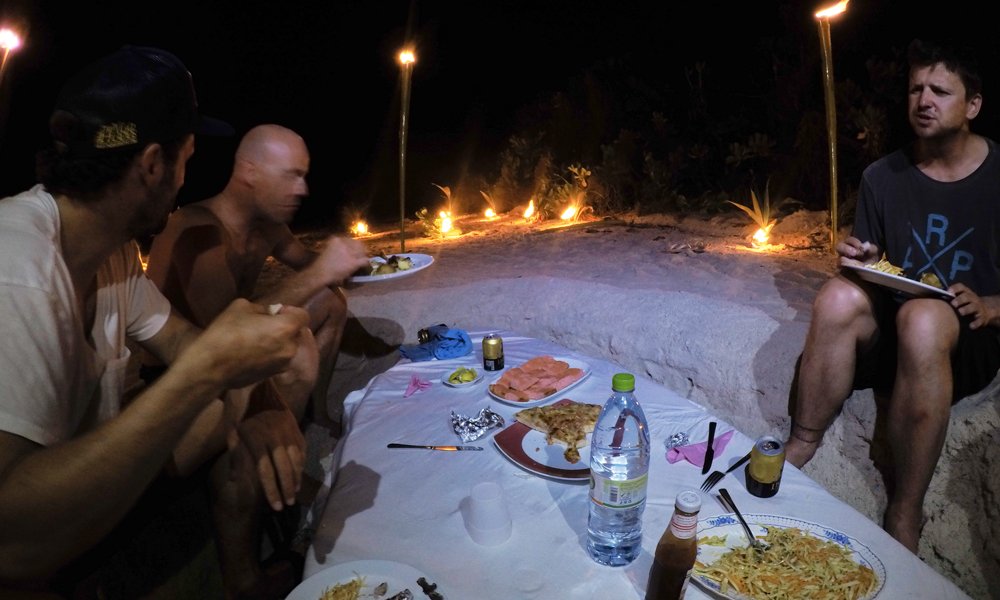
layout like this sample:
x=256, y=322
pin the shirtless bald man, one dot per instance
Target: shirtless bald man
x=213, y=251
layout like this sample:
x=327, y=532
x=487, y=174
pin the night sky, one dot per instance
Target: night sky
x=328, y=70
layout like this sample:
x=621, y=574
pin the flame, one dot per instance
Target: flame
x=760, y=237
x=569, y=213
x=490, y=213
x=9, y=40
x=832, y=11
x=528, y=212
x=445, y=221
x=359, y=228
x=406, y=57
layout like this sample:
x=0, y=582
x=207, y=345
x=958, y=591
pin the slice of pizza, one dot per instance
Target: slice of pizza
x=564, y=423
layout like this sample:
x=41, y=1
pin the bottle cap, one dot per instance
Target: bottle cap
x=623, y=382
x=688, y=501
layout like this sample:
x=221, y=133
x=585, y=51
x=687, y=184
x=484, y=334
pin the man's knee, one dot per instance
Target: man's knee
x=840, y=302
x=927, y=326
x=328, y=308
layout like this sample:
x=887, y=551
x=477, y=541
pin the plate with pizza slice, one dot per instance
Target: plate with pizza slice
x=538, y=380
x=552, y=441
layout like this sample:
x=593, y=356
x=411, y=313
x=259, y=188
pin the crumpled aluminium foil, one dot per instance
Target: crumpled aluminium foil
x=470, y=429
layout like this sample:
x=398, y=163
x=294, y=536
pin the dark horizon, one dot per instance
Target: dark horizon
x=329, y=72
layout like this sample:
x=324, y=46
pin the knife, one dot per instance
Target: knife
x=709, y=451
x=446, y=448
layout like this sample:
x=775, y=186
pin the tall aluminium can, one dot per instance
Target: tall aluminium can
x=493, y=352
x=767, y=460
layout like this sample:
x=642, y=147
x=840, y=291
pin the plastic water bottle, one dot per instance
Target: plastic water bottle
x=619, y=467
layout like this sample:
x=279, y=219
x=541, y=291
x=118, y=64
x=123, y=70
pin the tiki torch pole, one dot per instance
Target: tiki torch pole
x=406, y=59
x=9, y=41
x=823, y=20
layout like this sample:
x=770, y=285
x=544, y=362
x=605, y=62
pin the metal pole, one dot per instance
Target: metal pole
x=831, y=123
x=3, y=63
x=404, y=110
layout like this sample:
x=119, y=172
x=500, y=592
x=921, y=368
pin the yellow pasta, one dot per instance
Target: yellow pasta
x=886, y=267
x=345, y=591
x=797, y=565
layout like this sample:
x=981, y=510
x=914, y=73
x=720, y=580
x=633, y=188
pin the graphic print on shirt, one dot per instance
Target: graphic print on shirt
x=932, y=251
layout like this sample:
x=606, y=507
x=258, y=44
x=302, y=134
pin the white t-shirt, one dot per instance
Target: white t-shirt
x=53, y=383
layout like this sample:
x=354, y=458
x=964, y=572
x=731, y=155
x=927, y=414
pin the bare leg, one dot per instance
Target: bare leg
x=328, y=316
x=236, y=506
x=843, y=320
x=296, y=383
x=919, y=410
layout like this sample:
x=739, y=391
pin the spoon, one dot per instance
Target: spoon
x=756, y=544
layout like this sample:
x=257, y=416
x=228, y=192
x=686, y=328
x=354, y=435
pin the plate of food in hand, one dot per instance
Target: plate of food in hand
x=552, y=441
x=366, y=579
x=804, y=560
x=462, y=377
x=885, y=274
x=538, y=380
x=394, y=266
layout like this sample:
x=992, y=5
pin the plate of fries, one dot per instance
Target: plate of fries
x=804, y=560
x=885, y=274
x=360, y=580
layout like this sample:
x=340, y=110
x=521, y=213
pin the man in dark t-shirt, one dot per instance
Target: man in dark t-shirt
x=932, y=208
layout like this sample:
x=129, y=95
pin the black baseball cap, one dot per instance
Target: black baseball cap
x=136, y=96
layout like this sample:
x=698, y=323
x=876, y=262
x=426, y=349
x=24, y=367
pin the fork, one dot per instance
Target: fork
x=756, y=544
x=716, y=476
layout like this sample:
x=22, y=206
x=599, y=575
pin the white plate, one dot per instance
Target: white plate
x=527, y=448
x=900, y=284
x=420, y=262
x=479, y=377
x=727, y=525
x=573, y=363
x=398, y=576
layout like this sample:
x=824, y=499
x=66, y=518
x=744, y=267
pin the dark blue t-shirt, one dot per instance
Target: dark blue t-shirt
x=947, y=228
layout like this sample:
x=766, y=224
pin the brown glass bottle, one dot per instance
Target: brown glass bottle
x=676, y=550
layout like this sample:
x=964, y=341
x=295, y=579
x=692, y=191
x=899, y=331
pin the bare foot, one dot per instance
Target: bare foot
x=802, y=444
x=798, y=453
x=904, y=526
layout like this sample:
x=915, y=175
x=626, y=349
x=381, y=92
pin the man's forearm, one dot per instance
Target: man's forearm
x=296, y=289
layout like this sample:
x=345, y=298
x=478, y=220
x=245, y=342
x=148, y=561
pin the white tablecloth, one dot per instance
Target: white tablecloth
x=406, y=505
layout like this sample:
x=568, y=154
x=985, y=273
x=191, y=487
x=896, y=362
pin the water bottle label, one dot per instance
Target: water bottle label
x=617, y=493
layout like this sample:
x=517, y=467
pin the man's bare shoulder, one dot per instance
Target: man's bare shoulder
x=192, y=215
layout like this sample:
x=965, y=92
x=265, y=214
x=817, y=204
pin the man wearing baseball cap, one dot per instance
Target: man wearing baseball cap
x=75, y=456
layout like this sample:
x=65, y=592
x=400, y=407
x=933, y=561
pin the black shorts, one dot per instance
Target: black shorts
x=973, y=365
x=169, y=525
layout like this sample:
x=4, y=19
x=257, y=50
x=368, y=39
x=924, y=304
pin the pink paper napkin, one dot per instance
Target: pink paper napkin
x=695, y=453
x=416, y=385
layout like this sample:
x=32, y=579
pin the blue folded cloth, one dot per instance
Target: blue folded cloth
x=443, y=343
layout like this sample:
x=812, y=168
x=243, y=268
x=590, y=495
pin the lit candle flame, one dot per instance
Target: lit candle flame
x=490, y=213
x=760, y=237
x=528, y=212
x=406, y=57
x=832, y=11
x=569, y=213
x=9, y=40
x=359, y=228
x=445, y=221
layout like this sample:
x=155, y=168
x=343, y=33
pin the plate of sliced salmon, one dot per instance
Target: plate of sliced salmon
x=538, y=380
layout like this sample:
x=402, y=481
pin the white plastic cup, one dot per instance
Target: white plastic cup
x=489, y=522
